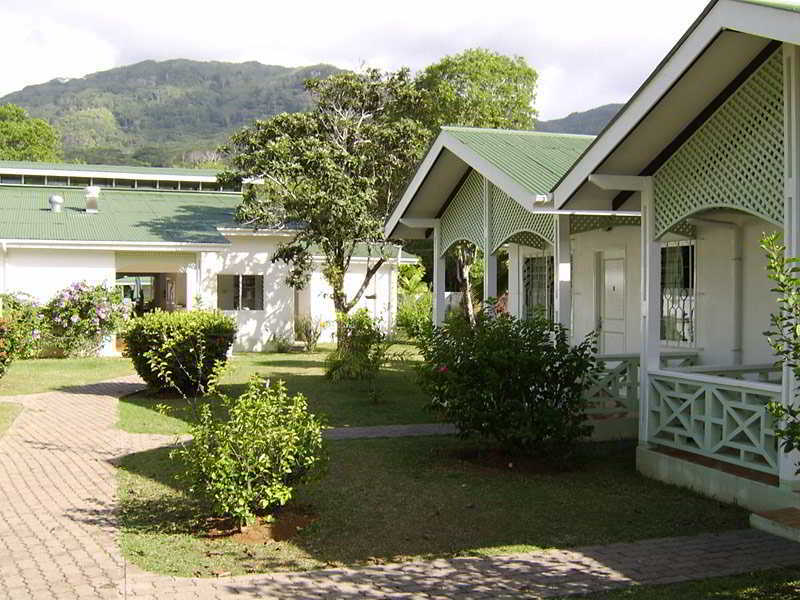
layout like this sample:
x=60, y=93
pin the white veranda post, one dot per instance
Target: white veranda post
x=563, y=271
x=438, y=277
x=788, y=462
x=514, y=281
x=489, y=258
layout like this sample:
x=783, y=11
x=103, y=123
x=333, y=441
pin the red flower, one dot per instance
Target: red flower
x=442, y=369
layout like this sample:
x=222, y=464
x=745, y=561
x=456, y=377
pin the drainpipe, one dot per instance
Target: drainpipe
x=737, y=280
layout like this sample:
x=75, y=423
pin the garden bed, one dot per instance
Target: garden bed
x=342, y=404
x=390, y=500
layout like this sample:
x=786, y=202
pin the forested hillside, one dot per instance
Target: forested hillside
x=160, y=112
x=590, y=122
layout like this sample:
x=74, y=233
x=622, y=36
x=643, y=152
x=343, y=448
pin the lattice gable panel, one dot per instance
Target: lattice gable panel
x=525, y=238
x=734, y=160
x=509, y=219
x=583, y=223
x=463, y=218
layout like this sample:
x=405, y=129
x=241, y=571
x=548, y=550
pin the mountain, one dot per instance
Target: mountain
x=158, y=108
x=590, y=122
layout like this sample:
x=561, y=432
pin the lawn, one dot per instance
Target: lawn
x=8, y=412
x=401, y=499
x=48, y=374
x=342, y=404
x=779, y=584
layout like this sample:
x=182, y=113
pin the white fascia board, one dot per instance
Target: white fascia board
x=758, y=20
x=524, y=197
x=592, y=213
x=413, y=186
x=244, y=232
x=108, y=175
x=115, y=245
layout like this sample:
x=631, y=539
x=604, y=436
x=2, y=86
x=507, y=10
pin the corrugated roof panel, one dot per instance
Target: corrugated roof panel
x=124, y=216
x=534, y=160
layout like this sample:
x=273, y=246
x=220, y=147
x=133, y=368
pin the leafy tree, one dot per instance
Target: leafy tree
x=477, y=88
x=335, y=170
x=25, y=138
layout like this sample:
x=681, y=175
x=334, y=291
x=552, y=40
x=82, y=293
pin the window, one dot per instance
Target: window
x=538, y=282
x=678, y=293
x=240, y=292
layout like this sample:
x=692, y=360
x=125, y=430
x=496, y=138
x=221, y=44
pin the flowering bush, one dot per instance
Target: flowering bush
x=308, y=330
x=30, y=323
x=10, y=340
x=517, y=382
x=83, y=315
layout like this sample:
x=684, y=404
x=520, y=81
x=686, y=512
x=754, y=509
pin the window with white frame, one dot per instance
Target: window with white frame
x=537, y=285
x=240, y=292
x=678, y=298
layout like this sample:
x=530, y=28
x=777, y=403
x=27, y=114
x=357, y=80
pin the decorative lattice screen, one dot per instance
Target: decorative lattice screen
x=512, y=223
x=463, y=218
x=734, y=160
x=582, y=223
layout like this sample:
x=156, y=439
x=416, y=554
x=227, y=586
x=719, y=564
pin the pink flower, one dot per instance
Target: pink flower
x=442, y=369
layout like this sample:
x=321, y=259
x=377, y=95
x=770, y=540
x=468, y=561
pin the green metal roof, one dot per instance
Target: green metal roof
x=124, y=216
x=534, y=160
x=148, y=171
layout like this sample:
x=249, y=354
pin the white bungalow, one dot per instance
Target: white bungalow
x=168, y=237
x=706, y=151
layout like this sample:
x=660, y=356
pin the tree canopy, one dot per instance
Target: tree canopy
x=25, y=138
x=479, y=88
x=334, y=171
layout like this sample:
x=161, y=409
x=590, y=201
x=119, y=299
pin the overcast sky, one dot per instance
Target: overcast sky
x=587, y=52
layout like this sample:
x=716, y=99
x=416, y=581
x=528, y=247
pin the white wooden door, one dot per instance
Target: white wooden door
x=611, y=294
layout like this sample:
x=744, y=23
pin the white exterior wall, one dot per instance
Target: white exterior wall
x=44, y=272
x=714, y=318
x=585, y=247
x=251, y=256
x=316, y=301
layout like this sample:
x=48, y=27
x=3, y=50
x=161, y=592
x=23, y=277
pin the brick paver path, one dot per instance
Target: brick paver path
x=58, y=532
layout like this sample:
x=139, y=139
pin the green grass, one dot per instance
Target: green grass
x=778, y=584
x=342, y=404
x=401, y=499
x=8, y=412
x=48, y=374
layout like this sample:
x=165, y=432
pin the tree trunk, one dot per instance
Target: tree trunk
x=464, y=259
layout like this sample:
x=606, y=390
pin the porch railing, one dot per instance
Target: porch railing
x=715, y=417
x=765, y=372
x=617, y=391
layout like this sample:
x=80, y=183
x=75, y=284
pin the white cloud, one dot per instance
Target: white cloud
x=588, y=52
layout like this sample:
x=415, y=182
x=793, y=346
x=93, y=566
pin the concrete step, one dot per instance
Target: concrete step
x=784, y=522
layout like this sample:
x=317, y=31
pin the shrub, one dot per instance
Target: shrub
x=309, y=331
x=519, y=383
x=281, y=343
x=362, y=348
x=30, y=322
x=249, y=463
x=83, y=315
x=784, y=334
x=11, y=338
x=180, y=350
x=414, y=314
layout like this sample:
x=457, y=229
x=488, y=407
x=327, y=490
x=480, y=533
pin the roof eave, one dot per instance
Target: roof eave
x=719, y=15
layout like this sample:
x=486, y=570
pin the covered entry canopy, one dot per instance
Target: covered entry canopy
x=522, y=165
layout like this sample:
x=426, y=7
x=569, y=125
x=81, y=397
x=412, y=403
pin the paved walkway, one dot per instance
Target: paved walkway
x=58, y=532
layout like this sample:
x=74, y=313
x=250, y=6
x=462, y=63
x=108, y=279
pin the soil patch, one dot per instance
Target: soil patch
x=498, y=460
x=285, y=526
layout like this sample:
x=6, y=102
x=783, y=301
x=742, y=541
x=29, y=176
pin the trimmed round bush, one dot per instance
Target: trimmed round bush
x=248, y=463
x=180, y=351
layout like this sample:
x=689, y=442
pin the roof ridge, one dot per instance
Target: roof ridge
x=515, y=131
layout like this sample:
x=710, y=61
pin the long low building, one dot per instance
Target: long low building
x=169, y=239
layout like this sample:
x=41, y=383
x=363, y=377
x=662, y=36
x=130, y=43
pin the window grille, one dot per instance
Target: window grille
x=537, y=282
x=678, y=297
x=240, y=292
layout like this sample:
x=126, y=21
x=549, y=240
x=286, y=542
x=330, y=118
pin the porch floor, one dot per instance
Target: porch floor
x=719, y=465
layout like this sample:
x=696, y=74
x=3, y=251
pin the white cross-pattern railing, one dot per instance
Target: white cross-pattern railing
x=715, y=417
x=765, y=372
x=617, y=391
